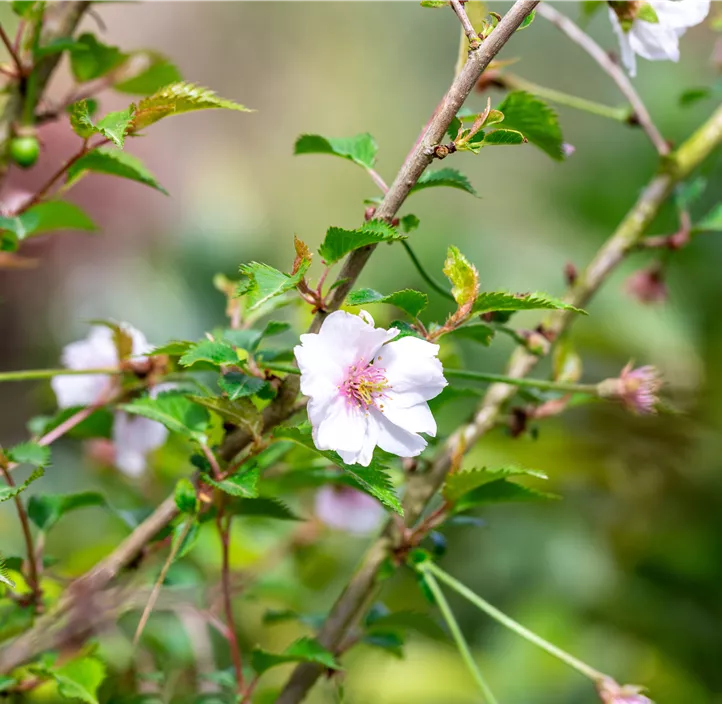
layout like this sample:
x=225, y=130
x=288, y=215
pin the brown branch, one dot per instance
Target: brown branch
x=11, y=50
x=361, y=590
x=466, y=25
x=612, y=69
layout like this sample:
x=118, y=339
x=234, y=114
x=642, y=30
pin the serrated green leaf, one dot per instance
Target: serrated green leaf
x=372, y=479
x=174, y=348
x=458, y=484
x=243, y=484
x=80, y=119
x=214, y=352
x=500, y=491
x=303, y=650
x=490, y=301
x=410, y=301
x=262, y=508
x=339, y=242
x=115, y=125
x=444, y=177
x=478, y=332
x=503, y=137
x=158, y=73
x=80, y=679
x=10, y=492
x=90, y=59
x=712, y=222
x=47, y=217
x=178, y=413
x=240, y=412
x=360, y=149
x=264, y=283
x=114, y=163
x=463, y=276
x=30, y=453
x=239, y=385
x=46, y=510
x=535, y=120
x=176, y=99
x=185, y=496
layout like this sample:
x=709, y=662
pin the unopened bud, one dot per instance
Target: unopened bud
x=647, y=285
x=612, y=693
x=441, y=151
x=570, y=273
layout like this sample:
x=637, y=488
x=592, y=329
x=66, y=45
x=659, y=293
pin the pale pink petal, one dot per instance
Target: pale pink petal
x=348, y=509
x=415, y=419
x=134, y=438
x=343, y=427
x=413, y=371
x=396, y=440
x=350, y=338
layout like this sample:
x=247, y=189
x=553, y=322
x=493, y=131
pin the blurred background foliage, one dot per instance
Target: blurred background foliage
x=625, y=570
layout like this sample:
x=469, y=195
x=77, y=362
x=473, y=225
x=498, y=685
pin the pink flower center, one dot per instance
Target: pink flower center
x=364, y=384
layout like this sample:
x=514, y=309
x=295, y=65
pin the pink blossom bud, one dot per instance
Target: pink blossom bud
x=568, y=149
x=647, y=285
x=612, y=693
x=348, y=509
x=637, y=389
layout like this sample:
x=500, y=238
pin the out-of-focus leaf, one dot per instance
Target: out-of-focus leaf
x=178, y=413
x=360, y=149
x=113, y=163
x=90, y=59
x=10, y=492
x=712, y=222
x=535, y=120
x=478, y=332
x=157, y=73
x=47, y=217
x=47, y=509
x=79, y=679
x=303, y=650
x=243, y=483
x=240, y=412
x=458, y=484
x=214, y=352
x=30, y=453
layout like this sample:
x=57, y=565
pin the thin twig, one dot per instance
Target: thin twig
x=424, y=274
x=466, y=25
x=376, y=178
x=611, y=68
x=11, y=50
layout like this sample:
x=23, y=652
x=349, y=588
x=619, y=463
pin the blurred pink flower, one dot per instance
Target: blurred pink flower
x=568, y=149
x=647, y=285
x=637, y=389
x=348, y=509
x=612, y=693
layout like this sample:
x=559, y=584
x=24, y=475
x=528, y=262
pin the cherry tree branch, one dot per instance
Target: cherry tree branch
x=612, y=69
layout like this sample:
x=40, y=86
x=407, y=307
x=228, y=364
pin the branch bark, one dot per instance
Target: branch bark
x=612, y=69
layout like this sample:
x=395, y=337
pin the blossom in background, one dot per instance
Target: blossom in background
x=365, y=390
x=637, y=389
x=348, y=509
x=612, y=693
x=647, y=285
x=133, y=436
x=652, y=29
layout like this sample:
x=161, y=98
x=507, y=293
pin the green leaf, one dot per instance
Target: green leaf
x=409, y=223
x=185, y=496
x=5, y=579
x=689, y=192
x=693, y=96
x=214, y=352
x=114, y=126
x=444, y=177
x=57, y=46
x=46, y=510
x=90, y=59
x=339, y=242
x=174, y=348
x=527, y=21
x=503, y=137
x=243, y=484
x=372, y=479
x=188, y=533
x=264, y=283
x=434, y=3
x=7, y=683
x=80, y=119
x=478, y=332
x=8, y=241
x=458, y=484
x=646, y=13
x=158, y=73
x=535, y=120
x=463, y=276
x=47, y=217
x=360, y=149
x=22, y=8
x=176, y=99
x=10, y=492
x=303, y=650
x=490, y=301
x=30, y=453
x=239, y=385
x=79, y=679
x=262, y=508
x=712, y=222
x=115, y=163
x=500, y=491
x=406, y=621
x=240, y=412
x=410, y=301
x=178, y=413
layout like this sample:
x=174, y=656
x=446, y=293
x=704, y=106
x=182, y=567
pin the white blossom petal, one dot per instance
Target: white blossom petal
x=365, y=454
x=135, y=437
x=413, y=371
x=415, y=419
x=348, y=509
x=349, y=338
x=343, y=427
x=629, y=58
x=654, y=42
x=95, y=351
x=79, y=390
x=396, y=440
x=680, y=14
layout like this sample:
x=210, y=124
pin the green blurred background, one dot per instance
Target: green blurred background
x=625, y=570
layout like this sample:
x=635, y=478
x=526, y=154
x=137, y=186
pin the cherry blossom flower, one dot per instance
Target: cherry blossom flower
x=638, y=33
x=612, y=693
x=133, y=436
x=365, y=390
x=349, y=509
x=647, y=285
x=637, y=389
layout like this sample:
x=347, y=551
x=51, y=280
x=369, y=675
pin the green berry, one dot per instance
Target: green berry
x=24, y=151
